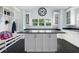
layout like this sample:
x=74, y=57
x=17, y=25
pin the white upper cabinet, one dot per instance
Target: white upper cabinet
x=1, y=10
x=77, y=17
x=70, y=16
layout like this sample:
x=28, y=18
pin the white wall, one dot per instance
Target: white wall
x=3, y=26
x=34, y=15
x=17, y=16
x=62, y=19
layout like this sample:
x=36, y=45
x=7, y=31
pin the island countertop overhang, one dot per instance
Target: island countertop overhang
x=52, y=32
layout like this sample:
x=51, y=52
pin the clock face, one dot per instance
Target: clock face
x=42, y=11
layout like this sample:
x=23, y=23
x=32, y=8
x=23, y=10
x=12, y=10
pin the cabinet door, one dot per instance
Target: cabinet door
x=27, y=38
x=39, y=42
x=76, y=39
x=59, y=36
x=68, y=18
x=32, y=42
x=45, y=43
x=52, y=42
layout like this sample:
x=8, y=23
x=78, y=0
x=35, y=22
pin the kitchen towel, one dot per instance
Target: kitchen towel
x=13, y=27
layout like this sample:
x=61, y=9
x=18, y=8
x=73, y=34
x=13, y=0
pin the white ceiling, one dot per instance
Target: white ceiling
x=29, y=8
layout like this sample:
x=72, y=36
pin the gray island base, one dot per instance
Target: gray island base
x=41, y=41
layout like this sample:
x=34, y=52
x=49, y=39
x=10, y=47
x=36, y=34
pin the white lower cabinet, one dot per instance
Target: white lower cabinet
x=72, y=37
x=26, y=42
x=41, y=43
x=30, y=42
x=45, y=43
x=52, y=42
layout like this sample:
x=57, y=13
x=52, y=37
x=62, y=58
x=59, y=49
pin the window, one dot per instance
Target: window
x=27, y=18
x=48, y=22
x=56, y=15
x=35, y=22
x=68, y=17
x=41, y=22
x=56, y=18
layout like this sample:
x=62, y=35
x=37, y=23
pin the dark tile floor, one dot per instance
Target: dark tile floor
x=63, y=47
x=18, y=47
x=66, y=47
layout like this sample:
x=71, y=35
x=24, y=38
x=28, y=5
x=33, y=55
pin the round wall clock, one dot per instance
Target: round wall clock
x=42, y=11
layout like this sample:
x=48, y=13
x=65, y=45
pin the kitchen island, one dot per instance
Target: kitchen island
x=44, y=40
